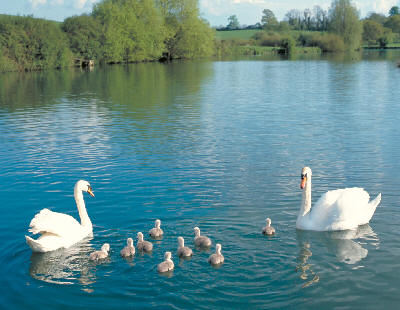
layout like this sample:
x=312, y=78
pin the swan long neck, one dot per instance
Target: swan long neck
x=306, y=201
x=80, y=203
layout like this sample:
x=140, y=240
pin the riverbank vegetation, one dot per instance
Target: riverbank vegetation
x=125, y=31
x=338, y=29
x=116, y=31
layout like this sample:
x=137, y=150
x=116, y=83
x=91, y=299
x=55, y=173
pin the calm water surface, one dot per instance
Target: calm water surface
x=218, y=145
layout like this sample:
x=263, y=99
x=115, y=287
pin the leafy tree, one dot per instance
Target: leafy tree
x=84, y=34
x=393, y=23
x=320, y=18
x=379, y=18
x=233, y=22
x=31, y=44
x=372, y=31
x=269, y=20
x=307, y=19
x=344, y=22
x=293, y=17
x=187, y=34
x=132, y=30
x=394, y=11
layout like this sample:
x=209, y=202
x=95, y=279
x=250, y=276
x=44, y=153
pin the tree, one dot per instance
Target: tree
x=132, y=30
x=307, y=19
x=394, y=11
x=84, y=36
x=269, y=20
x=294, y=18
x=372, y=31
x=233, y=22
x=187, y=34
x=344, y=22
x=320, y=18
x=379, y=18
x=393, y=23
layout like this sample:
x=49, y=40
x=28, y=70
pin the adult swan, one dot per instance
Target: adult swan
x=339, y=209
x=60, y=230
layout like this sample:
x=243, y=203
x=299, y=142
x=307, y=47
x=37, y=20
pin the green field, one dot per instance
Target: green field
x=236, y=34
x=390, y=45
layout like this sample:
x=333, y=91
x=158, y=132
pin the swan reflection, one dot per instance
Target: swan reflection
x=64, y=266
x=348, y=246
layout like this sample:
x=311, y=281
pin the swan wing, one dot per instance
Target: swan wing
x=47, y=221
x=341, y=209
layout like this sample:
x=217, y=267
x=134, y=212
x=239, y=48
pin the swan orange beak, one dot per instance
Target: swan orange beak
x=90, y=191
x=303, y=182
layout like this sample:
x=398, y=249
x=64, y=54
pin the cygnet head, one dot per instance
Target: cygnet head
x=140, y=236
x=129, y=242
x=268, y=220
x=84, y=186
x=105, y=247
x=218, y=248
x=181, y=242
x=167, y=255
x=158, y=223
x=306, y=174
x=197, y=231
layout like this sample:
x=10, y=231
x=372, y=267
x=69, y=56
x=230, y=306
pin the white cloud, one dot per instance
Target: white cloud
x=80, y=4
x=35, y=3
x=378, y=6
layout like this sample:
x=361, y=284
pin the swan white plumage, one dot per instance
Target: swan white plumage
x=60, y=230
x=339, y=209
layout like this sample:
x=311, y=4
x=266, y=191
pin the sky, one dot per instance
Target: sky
x=216, y=12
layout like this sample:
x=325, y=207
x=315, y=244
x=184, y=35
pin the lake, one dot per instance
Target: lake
x=214, y=144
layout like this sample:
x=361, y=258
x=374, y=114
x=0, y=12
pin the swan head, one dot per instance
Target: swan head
x=167, y=255
x=197, y=231
x=268, y=220
x=105, y=247
x=218, y=248
x=181, y=242
x=129, y=242
x=140, y=236
x=84, y=186
x=158, y=223
x=306, y=174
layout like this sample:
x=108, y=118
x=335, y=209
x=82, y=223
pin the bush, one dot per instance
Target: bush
x=33, y=43
x=327, y=42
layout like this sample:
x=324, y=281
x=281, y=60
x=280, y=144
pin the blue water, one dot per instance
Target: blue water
x=214, y=144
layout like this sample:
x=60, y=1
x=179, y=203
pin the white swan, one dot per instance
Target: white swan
x=60, y=230
x=339, y=209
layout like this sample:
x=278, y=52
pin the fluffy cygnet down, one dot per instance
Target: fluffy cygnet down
x=142, y=245
x=268, y=230
x=103, y=253
x=129, y=249
x=217, y=257
x=167, y=264
x=201, y=241
x=156, y=231
x=183, y=251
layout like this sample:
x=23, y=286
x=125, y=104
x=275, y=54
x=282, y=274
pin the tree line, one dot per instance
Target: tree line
x=116, y=31
x=337, y=28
